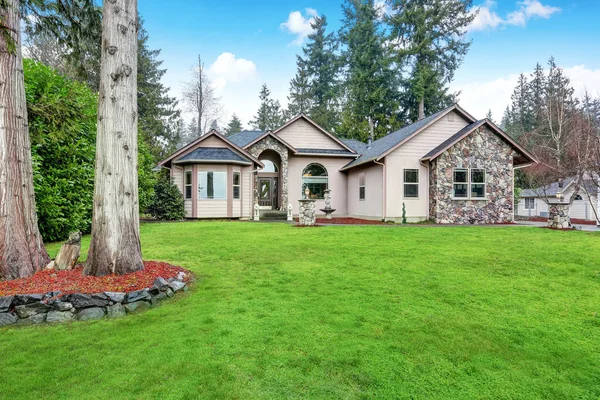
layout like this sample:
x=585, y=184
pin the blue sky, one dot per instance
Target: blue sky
x=246, y=43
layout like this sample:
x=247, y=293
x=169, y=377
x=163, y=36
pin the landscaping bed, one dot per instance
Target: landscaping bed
x=61, y=296
x=348, y=221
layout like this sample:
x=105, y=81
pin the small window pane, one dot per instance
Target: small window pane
x=460, y=190
x=411, y=190
x=361, y=193
x=269, y=166
x=529, y=203
x=188, y=192
x=236, y=178
x=236, y=192
x=477, y=190
x=188, y=178
x=460, y=175
x=411, y=176
x=314, y=170
x=219, y=185
x=477, y=176
x=210, y=185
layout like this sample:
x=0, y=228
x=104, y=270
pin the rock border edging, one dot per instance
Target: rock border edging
x=52, y=307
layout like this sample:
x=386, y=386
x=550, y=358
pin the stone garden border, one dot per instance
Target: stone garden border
x=52, y=307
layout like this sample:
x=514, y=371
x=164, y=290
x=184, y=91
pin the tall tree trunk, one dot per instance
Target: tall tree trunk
x=115, y=246
x=22, y=250
x=421, y=109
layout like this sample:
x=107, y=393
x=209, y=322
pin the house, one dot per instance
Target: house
x=448, y=167
x=534, y=202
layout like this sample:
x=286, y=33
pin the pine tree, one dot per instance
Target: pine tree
x=370, y=84
x=234, y=126
x=428, y=39
x=521, y=110
x=299, y=101
x=489, y=115
x=269, y=115
x=322, y=66
x=537, y=87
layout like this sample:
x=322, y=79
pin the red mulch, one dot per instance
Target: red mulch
x=573, y=220
x=74, y=281
x=348, y=221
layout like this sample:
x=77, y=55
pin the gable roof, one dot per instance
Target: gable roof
x=382, y=147
x=244, y=137
x=313, y=123
x=458, y=136
x=204, y=137
x=269, y=133
x=212, y=154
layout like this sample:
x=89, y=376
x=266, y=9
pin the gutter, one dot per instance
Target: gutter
x=384, y=200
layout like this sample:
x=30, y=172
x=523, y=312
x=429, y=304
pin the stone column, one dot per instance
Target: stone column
x=306, y=212
x=558, y=215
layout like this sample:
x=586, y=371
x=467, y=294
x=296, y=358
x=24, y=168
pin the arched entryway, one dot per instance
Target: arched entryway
x=268, y=181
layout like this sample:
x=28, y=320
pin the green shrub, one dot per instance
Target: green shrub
x=62, y=125
x=168, y=203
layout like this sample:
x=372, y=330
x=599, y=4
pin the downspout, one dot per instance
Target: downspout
x=384, y=200
x=250, y=176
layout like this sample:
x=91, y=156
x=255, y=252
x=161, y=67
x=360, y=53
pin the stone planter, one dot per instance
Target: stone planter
x=29, y=309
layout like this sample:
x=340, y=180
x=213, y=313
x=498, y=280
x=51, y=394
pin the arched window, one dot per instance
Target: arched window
x=270, y=166
x=578, y=197
x=314, y=177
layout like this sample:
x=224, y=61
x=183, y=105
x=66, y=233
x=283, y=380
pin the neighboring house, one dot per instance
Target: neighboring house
x=533, y=202
x=448, y=167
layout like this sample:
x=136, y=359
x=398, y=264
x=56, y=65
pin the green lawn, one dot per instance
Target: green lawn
x=337, y=312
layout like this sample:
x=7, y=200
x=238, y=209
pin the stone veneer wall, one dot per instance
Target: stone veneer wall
x=269, y=143
x=481, y=149
x=306, y=213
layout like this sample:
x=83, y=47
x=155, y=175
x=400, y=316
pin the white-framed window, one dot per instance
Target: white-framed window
x=212, y=185
x=411, y=183
x=529, y=203
x=188, y=185
x=236, y=185
x=315, y=178
x=468, y=183
x=578, y=197
x=362, y=186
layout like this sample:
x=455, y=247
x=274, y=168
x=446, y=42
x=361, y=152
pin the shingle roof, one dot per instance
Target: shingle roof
x=326, y=151
x=551, y=189
x=244, y=137
x=355, y=145
x=382, y=145
x=212, y=154
x=442, y=146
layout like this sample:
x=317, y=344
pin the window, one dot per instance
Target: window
x=468, y=183
x=212, y=185
x=478, y=183
x=529, y=203
x=270, y=166
x=188, y=185
x=236, y=185
x=411, y=183
x=362, y=177
x=578, y=197
x=314, y=177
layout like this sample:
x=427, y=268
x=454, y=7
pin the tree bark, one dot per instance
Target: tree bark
x=22, y=250
x=115, y=244
x=421, y=109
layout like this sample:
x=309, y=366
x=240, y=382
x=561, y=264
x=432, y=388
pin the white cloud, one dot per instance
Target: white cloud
x=299, y=25
x=479, y=97
x=486, y=18
x=227, y=68
x=382, y=8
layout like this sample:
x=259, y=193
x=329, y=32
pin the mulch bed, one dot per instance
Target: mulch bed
x=573, y=220
x=348, y=221
x=73, y=281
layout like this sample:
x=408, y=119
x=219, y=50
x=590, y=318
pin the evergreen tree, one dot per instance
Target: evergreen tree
x=370, y=85
x=234, y=126
x=299, y=101
x=269, y=115
x=158, y=112
x=537, y=87
x=489, y=115
x=322, y=66
x=521, y=111
x=428, y=40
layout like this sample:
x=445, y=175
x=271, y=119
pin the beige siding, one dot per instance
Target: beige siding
x=337, y=182
x=246, y=201
x=580, y=209
x=303, y=135
x=372, y=205
x=212, y=141
x=407, y=156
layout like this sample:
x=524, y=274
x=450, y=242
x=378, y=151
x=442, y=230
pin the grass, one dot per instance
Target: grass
x=337, y=312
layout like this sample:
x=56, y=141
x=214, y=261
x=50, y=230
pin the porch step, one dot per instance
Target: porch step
x=273, y=215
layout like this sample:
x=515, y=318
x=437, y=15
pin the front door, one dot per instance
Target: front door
x=267, y=193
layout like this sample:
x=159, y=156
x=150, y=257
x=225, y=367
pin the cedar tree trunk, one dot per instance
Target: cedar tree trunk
x=22, y=250
x=115, y=245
